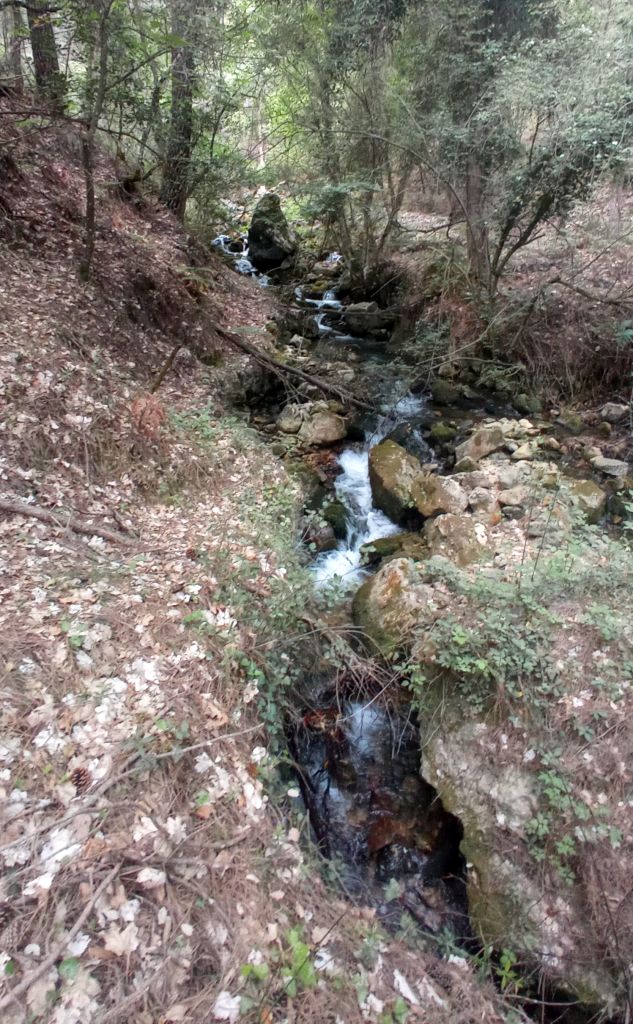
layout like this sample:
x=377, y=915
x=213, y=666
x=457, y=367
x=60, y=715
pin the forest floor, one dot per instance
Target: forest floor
x=154, y=864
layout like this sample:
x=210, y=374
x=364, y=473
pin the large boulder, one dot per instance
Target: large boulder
x=512, y=900
x=270, y=238
x=396, y=601
x=460, y=538
x=393, y=473
x=433, y=494
x=484, y=441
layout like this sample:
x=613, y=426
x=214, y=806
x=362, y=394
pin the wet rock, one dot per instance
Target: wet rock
x=409, y=437
x=363, y=318
x=299, y=322
x=335, y=515
x=392, y=475
x=589, y=498
x=615, y=412
x=432, y=494
x=457, y=537
x=484, y=441
x=394, y=602
x=398, y=545
x=319, y=537
x=610, y=467
x=270, y=239
x=441, y=433
x=322, y=426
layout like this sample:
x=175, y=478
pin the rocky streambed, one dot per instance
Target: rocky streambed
x=431, y=812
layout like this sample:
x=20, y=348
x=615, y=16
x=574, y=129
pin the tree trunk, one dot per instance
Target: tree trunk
x=49, y=81
x=176, y=176
x=12, y=77
x=477, y=242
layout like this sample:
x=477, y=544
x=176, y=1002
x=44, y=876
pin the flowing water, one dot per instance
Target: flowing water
x=237, y=250
x=365, y=523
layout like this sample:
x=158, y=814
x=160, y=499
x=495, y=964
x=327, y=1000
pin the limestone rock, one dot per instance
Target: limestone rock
x=481, y=499
x=615, y=412
x=541, y=920
x=515, y=496
x=457, y=537
x=270, y=239
x=291, y=418
x=322, y=426
x=590, y=499
x=392, y=604
x=610, y=467
x=393, y=472
x=484, y=441
x=433, y=494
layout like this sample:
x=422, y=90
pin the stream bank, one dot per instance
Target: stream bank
x=436, y=499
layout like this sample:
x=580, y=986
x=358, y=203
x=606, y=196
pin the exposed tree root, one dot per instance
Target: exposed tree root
x=63, y=520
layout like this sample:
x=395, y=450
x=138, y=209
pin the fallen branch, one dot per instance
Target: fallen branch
x=61, y=947
x=292, y=371
x=19, y=508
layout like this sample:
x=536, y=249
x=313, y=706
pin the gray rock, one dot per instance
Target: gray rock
x=457, y=537
x=433, y=494
x=610, y=467
x=363, y=318
x=291, y=418
x=590, y=499
x=481, y=499
x=615, y=412
x=514, y=496
x=484, y=441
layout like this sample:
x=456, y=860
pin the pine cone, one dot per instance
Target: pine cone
x=81, y=779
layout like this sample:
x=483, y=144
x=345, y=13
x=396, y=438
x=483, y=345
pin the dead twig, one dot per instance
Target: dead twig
x=63, y=521
x=292, y=371
x=59, y=949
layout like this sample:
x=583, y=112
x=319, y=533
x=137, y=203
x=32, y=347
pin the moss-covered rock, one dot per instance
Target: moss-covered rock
x=590, y=499
x=335, y=515
x=400, y=545
x=441, y=432
x=394, y=602
x=460, y=538
x=513, y=902
x=432, y=494
x=270, y=239
x=393, y=472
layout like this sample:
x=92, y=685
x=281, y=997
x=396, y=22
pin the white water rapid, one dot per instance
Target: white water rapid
x=365, y=523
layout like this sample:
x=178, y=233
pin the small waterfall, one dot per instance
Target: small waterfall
x=365, y=523
x=237, y=250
